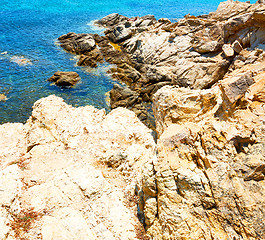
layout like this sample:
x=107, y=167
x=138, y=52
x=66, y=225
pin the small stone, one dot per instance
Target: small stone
x=3, y=97
x=237, y=46
x=228, y=50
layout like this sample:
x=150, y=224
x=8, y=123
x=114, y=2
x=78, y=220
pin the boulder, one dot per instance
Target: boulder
x=234, y=88
x=111, y=20
x=77, y=43
x=79, y=175
x=64, y=79
x=237, y=47
x=91, y=59
x=122, y=96
x=120, y=33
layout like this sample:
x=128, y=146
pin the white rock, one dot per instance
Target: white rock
x=228, y=50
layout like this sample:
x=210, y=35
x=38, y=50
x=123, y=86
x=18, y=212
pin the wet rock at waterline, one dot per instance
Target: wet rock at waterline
x=77, y=43
x=91, y=58
x=64, y=79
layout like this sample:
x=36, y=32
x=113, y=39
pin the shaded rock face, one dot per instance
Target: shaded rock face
x=70, y=173
x=64, y=79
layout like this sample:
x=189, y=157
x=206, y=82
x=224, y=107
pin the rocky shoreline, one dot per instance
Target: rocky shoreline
x=79, y=173
x=195, y=52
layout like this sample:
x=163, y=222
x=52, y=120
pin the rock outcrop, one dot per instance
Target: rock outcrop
x=59, y=173
x=210, y=170
x=64, y=79
x=195, y=52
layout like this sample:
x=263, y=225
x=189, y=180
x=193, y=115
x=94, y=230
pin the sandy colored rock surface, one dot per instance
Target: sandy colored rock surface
x=79, y=173
x=63, y=174
x=210, y=169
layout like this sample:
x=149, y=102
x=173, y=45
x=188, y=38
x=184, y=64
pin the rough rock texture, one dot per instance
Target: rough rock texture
x=77, y=43
x=72, y=172
x=195, y=52
x=209, y=177
x=64, y=79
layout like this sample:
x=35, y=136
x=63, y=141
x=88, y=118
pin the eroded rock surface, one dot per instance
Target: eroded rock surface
x=78, y=172
x=72, y=172
x=210, y=170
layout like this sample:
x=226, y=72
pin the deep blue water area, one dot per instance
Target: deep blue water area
x=28, y=33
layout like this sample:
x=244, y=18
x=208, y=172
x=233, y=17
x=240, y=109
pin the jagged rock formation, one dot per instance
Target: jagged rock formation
x=210, y=170
x=195, y=52
x=78, y=173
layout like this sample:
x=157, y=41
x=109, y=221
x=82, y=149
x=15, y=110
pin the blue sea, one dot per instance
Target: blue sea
x=29, y=53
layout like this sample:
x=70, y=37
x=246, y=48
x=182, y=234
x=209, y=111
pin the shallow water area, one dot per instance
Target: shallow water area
x=29, y=54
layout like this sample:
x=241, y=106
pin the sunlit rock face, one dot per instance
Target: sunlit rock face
x=210, y=170
x=79, y=173
x=72, y=172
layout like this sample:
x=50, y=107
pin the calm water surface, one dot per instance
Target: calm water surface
x=29, y=29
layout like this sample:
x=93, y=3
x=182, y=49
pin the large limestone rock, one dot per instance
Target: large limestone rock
x=72, y=172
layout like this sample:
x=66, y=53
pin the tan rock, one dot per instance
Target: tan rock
x=64, y=79
x=64, y=224
x=235, y=88
x=228, y=50
x=204, y=179
x=58, y=181
x=207, y=47
x=10, y=184
x=237, y=47
x=204, y=159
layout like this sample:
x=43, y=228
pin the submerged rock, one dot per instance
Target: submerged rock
x=64, y=79
x=3, y=97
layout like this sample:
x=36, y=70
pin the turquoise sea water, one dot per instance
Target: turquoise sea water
x=28, y=32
